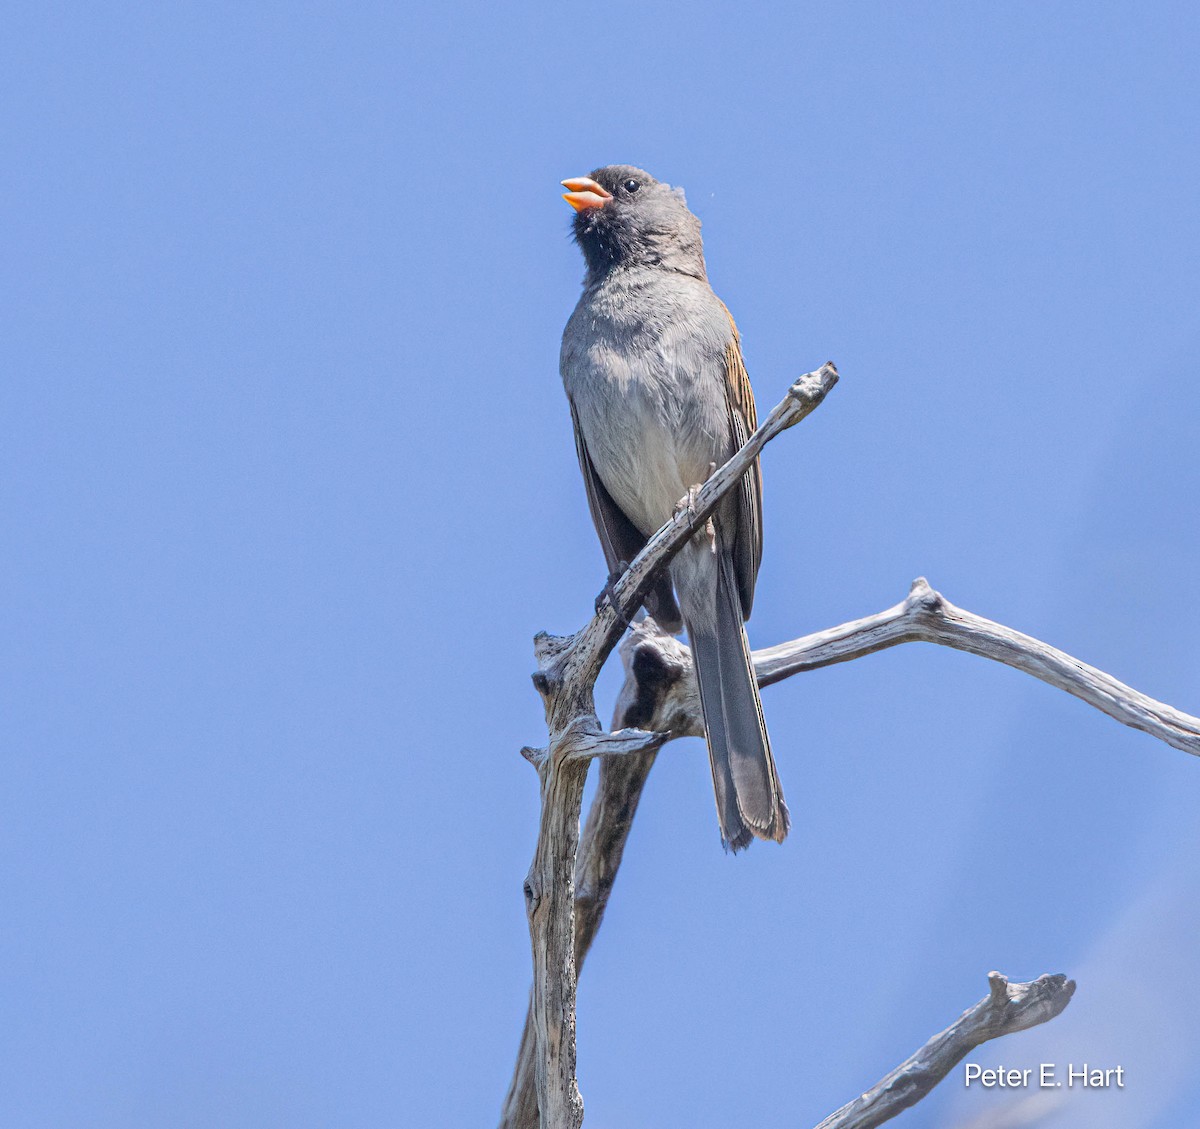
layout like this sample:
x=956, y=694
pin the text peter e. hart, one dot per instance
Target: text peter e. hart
x=1048, y=1075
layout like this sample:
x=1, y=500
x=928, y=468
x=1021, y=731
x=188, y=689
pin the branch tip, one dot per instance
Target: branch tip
x=535, y=756
x=1006, y=1009
x=810, y=389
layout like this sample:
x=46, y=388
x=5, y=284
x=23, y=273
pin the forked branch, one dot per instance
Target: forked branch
x=566, y=677
x=659, y=696
x=571, y=879
x=923, y=616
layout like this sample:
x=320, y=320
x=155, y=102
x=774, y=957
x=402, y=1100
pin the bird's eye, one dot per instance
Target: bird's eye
x=632, y=185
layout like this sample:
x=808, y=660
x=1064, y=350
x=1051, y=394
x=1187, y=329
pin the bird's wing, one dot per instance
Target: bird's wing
x=619, y=537
x=743, y=419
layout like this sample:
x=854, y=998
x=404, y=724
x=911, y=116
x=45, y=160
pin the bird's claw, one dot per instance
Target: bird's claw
x=687, y=505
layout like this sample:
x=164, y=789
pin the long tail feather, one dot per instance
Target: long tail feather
x=749, y=798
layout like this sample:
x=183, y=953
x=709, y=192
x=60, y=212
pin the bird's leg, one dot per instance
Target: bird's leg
x=608, y=594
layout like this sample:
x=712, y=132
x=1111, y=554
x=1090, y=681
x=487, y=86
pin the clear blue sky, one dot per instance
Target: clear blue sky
x=288, y=484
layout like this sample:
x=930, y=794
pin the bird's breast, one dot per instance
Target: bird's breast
x=645, y=375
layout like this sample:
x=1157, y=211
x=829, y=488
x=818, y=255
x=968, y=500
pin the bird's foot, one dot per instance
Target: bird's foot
x=687, y=504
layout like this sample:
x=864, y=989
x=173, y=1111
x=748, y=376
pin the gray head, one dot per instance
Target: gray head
x=624, y=217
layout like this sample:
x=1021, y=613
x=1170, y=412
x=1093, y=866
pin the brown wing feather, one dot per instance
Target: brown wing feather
x=743, y=418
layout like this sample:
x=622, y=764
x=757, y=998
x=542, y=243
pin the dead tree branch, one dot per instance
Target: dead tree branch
x=659, y=702
x=1007, y=1008
x=660, y=683
x=925, y=616
x=659, y=694
x=566, y=677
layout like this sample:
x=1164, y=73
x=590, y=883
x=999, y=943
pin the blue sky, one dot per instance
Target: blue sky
x=288, y=485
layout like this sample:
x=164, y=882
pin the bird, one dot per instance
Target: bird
x=652, y=365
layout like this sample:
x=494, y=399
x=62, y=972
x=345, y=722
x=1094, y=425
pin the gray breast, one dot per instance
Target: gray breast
x=643, y=363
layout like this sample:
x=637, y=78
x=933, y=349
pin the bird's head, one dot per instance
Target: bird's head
x=624, y=217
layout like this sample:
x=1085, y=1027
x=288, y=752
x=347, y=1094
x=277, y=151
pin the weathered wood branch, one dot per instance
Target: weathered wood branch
x=925, y=616
x=659, y=695
x=570, y=880
x=603, y=842
x=566, y=677
x=568, y=665
x=1006, y=1009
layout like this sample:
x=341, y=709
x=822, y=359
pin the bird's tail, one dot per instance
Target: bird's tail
x=749, y=798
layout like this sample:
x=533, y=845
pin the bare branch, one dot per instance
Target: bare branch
x=926, y=616
x=1007, y=1008
x=577, y=658
x=566, y=677
x=659, y=696
x=803, y=397
x=647, y=672
x=567, y=890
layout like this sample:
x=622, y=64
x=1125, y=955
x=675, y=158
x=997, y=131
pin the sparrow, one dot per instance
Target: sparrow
x=652, y=365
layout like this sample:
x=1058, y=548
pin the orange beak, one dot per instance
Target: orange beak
x=585, y=193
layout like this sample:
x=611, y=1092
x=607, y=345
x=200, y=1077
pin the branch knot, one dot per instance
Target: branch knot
x=922, y=599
